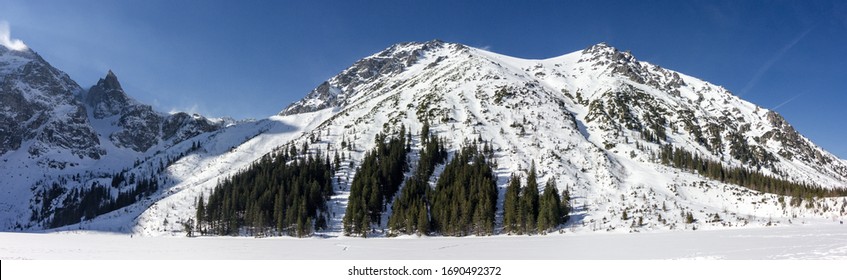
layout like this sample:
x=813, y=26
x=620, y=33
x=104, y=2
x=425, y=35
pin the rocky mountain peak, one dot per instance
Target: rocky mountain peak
x=26, y=53
x=110, y=81
x=41, y=106
x=107, y=98
x=391, y=61
x=604, y=57
x=604, y=54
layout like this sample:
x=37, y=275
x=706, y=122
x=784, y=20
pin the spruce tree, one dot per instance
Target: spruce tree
x=565, y=206
x=511, y=206
x=200, y=215
x=529, y=202
x=549, y=216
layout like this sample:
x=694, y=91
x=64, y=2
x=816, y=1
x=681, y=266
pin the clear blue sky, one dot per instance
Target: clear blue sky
x=251, y=58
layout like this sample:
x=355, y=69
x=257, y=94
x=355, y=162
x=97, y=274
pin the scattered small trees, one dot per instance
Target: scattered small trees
x=752, y=179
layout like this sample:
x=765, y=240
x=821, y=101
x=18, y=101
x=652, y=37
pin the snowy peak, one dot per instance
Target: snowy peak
x=131, y=124
x=39, y=104
x=615, y=96
x=346, y=85
x=603, y=50
x=615, y=62
x=110, y=82
x=13, y=59
x=107, y=98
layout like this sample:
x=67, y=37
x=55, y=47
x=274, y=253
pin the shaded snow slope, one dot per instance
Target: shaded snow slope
x=55, y=138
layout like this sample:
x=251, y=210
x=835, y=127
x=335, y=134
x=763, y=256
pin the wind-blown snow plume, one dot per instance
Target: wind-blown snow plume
x=7, y=41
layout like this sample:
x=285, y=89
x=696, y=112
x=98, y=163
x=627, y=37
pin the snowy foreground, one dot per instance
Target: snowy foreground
x=785, y=242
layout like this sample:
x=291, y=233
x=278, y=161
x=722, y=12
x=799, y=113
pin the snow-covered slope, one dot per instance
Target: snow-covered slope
x=592, y=120
x=581, y=117
x=54, y=133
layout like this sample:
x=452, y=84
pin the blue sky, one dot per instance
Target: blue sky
x=250, y=59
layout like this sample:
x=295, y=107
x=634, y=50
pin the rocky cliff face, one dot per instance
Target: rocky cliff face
x=39, y=109
x=335, y=91
x=140, y=128
x=51, y=128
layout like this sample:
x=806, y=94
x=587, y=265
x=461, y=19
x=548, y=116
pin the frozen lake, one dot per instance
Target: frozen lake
x=820, y=241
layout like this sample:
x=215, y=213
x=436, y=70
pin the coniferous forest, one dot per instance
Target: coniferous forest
x=527, y=212
x=282, y=193
x=410, y=210
x=87, y=203
x=377, y=180
x=755, y=180
x=465, y=197
x=286, y=193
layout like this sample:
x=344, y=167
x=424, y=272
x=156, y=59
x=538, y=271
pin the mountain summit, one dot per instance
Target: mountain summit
x=609, y=92
x=107, y=98
x=625, y=137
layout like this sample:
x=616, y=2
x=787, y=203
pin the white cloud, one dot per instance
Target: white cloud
x=6, y=38
x=193, y=109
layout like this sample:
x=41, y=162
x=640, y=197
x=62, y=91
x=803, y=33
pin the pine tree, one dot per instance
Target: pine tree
x=549, y=216
x=511, y=206
x=423, y=220
x=200, y=215
x=529, y=202
x=565, y=206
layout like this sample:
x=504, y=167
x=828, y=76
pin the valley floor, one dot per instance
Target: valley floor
x=819, y=241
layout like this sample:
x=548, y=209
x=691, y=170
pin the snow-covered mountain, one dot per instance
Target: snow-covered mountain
x=40, y=113
x=51, y=130
x=137, y=126
x=594, y=121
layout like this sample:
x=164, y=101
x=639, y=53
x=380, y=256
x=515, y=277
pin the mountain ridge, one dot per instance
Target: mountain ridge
x=595, y=121
x=53, y=128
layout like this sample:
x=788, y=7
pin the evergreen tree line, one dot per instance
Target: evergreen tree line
x=282, y=193
x=755, y=180
x=87, y=203
x=376, y=182
x=524, y=212
x=465, y=196
x=410, y=210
